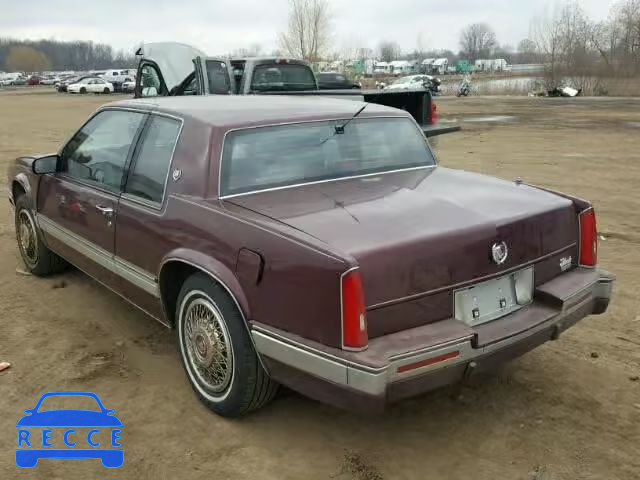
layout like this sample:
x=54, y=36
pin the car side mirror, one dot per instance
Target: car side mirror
x=149, y=92
x=42, y=165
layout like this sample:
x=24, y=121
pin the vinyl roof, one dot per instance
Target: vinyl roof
x=238, y=110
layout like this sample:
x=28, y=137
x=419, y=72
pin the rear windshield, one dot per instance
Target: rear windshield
x=279, y=77
x=278, y=156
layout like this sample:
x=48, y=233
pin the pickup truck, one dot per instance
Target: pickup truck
x=175, y=69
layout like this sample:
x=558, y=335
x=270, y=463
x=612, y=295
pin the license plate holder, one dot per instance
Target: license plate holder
x=495, y=298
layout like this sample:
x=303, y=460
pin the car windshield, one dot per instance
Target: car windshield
x=69, y=402
x=282, y=77
x=279, y=156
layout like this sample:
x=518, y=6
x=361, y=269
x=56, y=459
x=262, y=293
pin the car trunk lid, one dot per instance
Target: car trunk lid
x=420, y=234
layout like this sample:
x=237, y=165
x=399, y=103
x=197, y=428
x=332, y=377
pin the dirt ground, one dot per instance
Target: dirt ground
x=569, y=410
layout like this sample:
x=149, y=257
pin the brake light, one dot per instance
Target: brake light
x=282, y=61
x=354, y=319
x=434, y=112
x=588, y=238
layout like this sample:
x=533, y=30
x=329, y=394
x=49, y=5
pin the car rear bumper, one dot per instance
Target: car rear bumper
x=414, y=361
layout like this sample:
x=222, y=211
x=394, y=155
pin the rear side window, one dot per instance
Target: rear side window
x=282, y=77
x=218, y=77
x=148, y=176
x=270, y=157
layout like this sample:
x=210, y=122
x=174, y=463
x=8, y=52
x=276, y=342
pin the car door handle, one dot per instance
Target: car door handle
x=106, y=211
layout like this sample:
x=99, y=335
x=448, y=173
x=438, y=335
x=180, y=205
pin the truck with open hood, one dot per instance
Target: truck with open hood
x=175, y=69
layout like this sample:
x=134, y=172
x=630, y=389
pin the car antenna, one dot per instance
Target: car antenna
x=339, y=129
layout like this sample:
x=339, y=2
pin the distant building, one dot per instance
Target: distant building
x=440, y=66
x=491, y=65
x=382, y=68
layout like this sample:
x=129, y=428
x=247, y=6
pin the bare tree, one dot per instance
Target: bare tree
x=389, y=51
x=308, y=31
x=477, y=40
x=528, y=51
x=254, y=50
x=566, y=40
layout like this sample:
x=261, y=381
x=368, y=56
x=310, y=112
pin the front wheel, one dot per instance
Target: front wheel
x=83, y=90
x=216, y=350
x=106, y=90
x=38, y=259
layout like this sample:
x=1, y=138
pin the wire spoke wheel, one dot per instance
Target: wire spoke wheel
x=208, y=345
x=27, y=238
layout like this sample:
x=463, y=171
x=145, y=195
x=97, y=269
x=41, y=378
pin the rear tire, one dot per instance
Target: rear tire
x=83, y=90
x=106, y=90
x=38, y=259
x=216, y=350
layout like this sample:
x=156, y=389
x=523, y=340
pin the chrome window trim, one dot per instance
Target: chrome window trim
x=331, y=180
x=124, y=269
x=302, y=122
x=136, y=199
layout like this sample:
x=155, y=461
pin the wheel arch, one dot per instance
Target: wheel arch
x=176, y=267
x=20, y=185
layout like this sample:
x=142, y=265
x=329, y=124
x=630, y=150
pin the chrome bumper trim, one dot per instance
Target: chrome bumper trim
x=374, y=381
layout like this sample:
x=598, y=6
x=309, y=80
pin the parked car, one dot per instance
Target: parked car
x=34, y=80
x=63, y=84
x=12, y=79
x=412, y=82
x=90, y=85
x=310, y=242
x=118, y=77
x=174, y=69
x=129, y=86
x=49, y=80
x=334, y=81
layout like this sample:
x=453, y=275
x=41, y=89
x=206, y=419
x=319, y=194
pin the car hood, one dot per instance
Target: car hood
x=174, y=59
x=69, y=418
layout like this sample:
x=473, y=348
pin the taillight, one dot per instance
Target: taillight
x=588, y=238
x=354, y=318
x=434, y=112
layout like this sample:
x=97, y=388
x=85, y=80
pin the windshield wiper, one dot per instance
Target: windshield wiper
x=339, y=129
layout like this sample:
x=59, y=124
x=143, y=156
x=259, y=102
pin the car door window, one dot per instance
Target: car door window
x=150, y=81
x=148, y=175
x=97, y=154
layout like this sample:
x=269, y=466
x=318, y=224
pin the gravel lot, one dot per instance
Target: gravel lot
x=570, y=410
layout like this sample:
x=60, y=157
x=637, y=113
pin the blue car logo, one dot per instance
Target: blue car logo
x=34, y=443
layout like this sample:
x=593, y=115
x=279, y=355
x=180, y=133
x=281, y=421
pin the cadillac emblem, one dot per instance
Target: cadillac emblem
x=499, y=252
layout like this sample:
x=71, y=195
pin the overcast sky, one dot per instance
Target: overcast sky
x=218, y=26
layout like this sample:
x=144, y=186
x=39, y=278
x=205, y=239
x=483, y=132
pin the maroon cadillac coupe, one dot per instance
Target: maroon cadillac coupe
x=309, y=242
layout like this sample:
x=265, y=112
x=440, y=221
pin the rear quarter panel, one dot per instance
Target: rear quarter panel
x=297, y=287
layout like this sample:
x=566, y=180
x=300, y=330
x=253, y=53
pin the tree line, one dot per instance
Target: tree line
x=54, y=55
x=565, y=39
